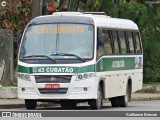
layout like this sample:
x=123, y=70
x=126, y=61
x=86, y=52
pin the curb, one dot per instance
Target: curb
x=148, y=98
x=145, y=96
x=8, y=92
x=12, y=106
x=22, y=105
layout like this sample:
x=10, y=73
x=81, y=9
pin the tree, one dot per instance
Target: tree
x=36, y=8
x=13, y=17
x=6, y=56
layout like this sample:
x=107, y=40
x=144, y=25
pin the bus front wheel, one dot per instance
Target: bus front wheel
x=96, y=103
x=30, y=104
x=68, y=104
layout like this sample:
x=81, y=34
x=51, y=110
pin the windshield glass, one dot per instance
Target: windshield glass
x=54, y=39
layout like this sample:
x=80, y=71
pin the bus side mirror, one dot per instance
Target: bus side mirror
x=19, y=37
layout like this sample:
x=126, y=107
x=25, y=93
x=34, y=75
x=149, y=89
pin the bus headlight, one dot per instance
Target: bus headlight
x=92, y=75
x=80, y=77
x=84, y=76
x=24, y=77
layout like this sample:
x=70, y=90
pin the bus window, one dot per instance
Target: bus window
x=137, y=42
x=122, y=42
x=130, y=40
x=115, y=40
x=100, y=42
x=107, y=43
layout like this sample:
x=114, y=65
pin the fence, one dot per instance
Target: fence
x=6, y=56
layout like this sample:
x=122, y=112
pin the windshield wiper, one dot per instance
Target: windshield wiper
x=66, y=54
x=39, y=56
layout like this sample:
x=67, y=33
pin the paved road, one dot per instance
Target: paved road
x=153, y=105
x=138, y=106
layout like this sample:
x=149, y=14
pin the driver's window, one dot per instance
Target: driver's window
x=104, y=43
x=108, y=42
x=100, y=39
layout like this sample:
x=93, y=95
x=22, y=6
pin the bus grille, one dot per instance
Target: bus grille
x=53, y=91
x=53, y=79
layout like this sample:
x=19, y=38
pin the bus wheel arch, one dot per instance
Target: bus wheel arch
x=129, y=83
x=96, y=103
x=101, y=84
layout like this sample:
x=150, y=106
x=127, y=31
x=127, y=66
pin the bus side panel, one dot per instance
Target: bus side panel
x=115, y=85
x=137, y=81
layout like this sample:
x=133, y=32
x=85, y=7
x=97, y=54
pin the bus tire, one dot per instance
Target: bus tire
x=123, y=100
x=64, y=104
x=68, y=104
x=96, y=103
x=115, y=102
x=72, y=104
x=30, y=104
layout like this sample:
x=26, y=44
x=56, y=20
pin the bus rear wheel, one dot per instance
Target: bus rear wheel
x=30, y=104
x=96, y=103
x=123, y=100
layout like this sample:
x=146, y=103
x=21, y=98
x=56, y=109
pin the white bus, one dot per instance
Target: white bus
x=72, y=57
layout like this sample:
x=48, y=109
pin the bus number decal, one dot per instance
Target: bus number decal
x=52, y=70
x=118, y=64
x=41, y=70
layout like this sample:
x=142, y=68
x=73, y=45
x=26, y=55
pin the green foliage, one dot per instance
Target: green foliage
x=15, y=19
x=153, y=83
x=8, y=85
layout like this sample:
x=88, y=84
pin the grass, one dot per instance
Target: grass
x=8, y=85
x=153, y=83
x=149, y=91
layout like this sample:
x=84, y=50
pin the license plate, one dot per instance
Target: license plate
x=52, y=86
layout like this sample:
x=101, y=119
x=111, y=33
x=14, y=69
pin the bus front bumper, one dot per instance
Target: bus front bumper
x=78, y=90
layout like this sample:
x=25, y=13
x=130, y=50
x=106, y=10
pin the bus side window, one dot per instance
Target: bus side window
x=130, y=41
x=137, y=42
x=115, y=41
x=100, y=42
x=122, y=40
x=108, y=43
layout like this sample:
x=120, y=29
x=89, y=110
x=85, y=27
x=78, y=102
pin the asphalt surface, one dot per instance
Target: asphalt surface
x=19, y=103
x=151, y=106
x=137, y=107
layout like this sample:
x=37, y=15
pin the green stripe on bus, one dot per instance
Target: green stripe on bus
x=89, y=68
x=57, y=69
x=114, y=64
x=22, y=69
x=104, y=64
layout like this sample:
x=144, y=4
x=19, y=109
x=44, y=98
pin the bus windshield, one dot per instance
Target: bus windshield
x=58, y=41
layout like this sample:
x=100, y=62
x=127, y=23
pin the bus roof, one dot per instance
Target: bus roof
x=103, y=21
x=100, y=20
